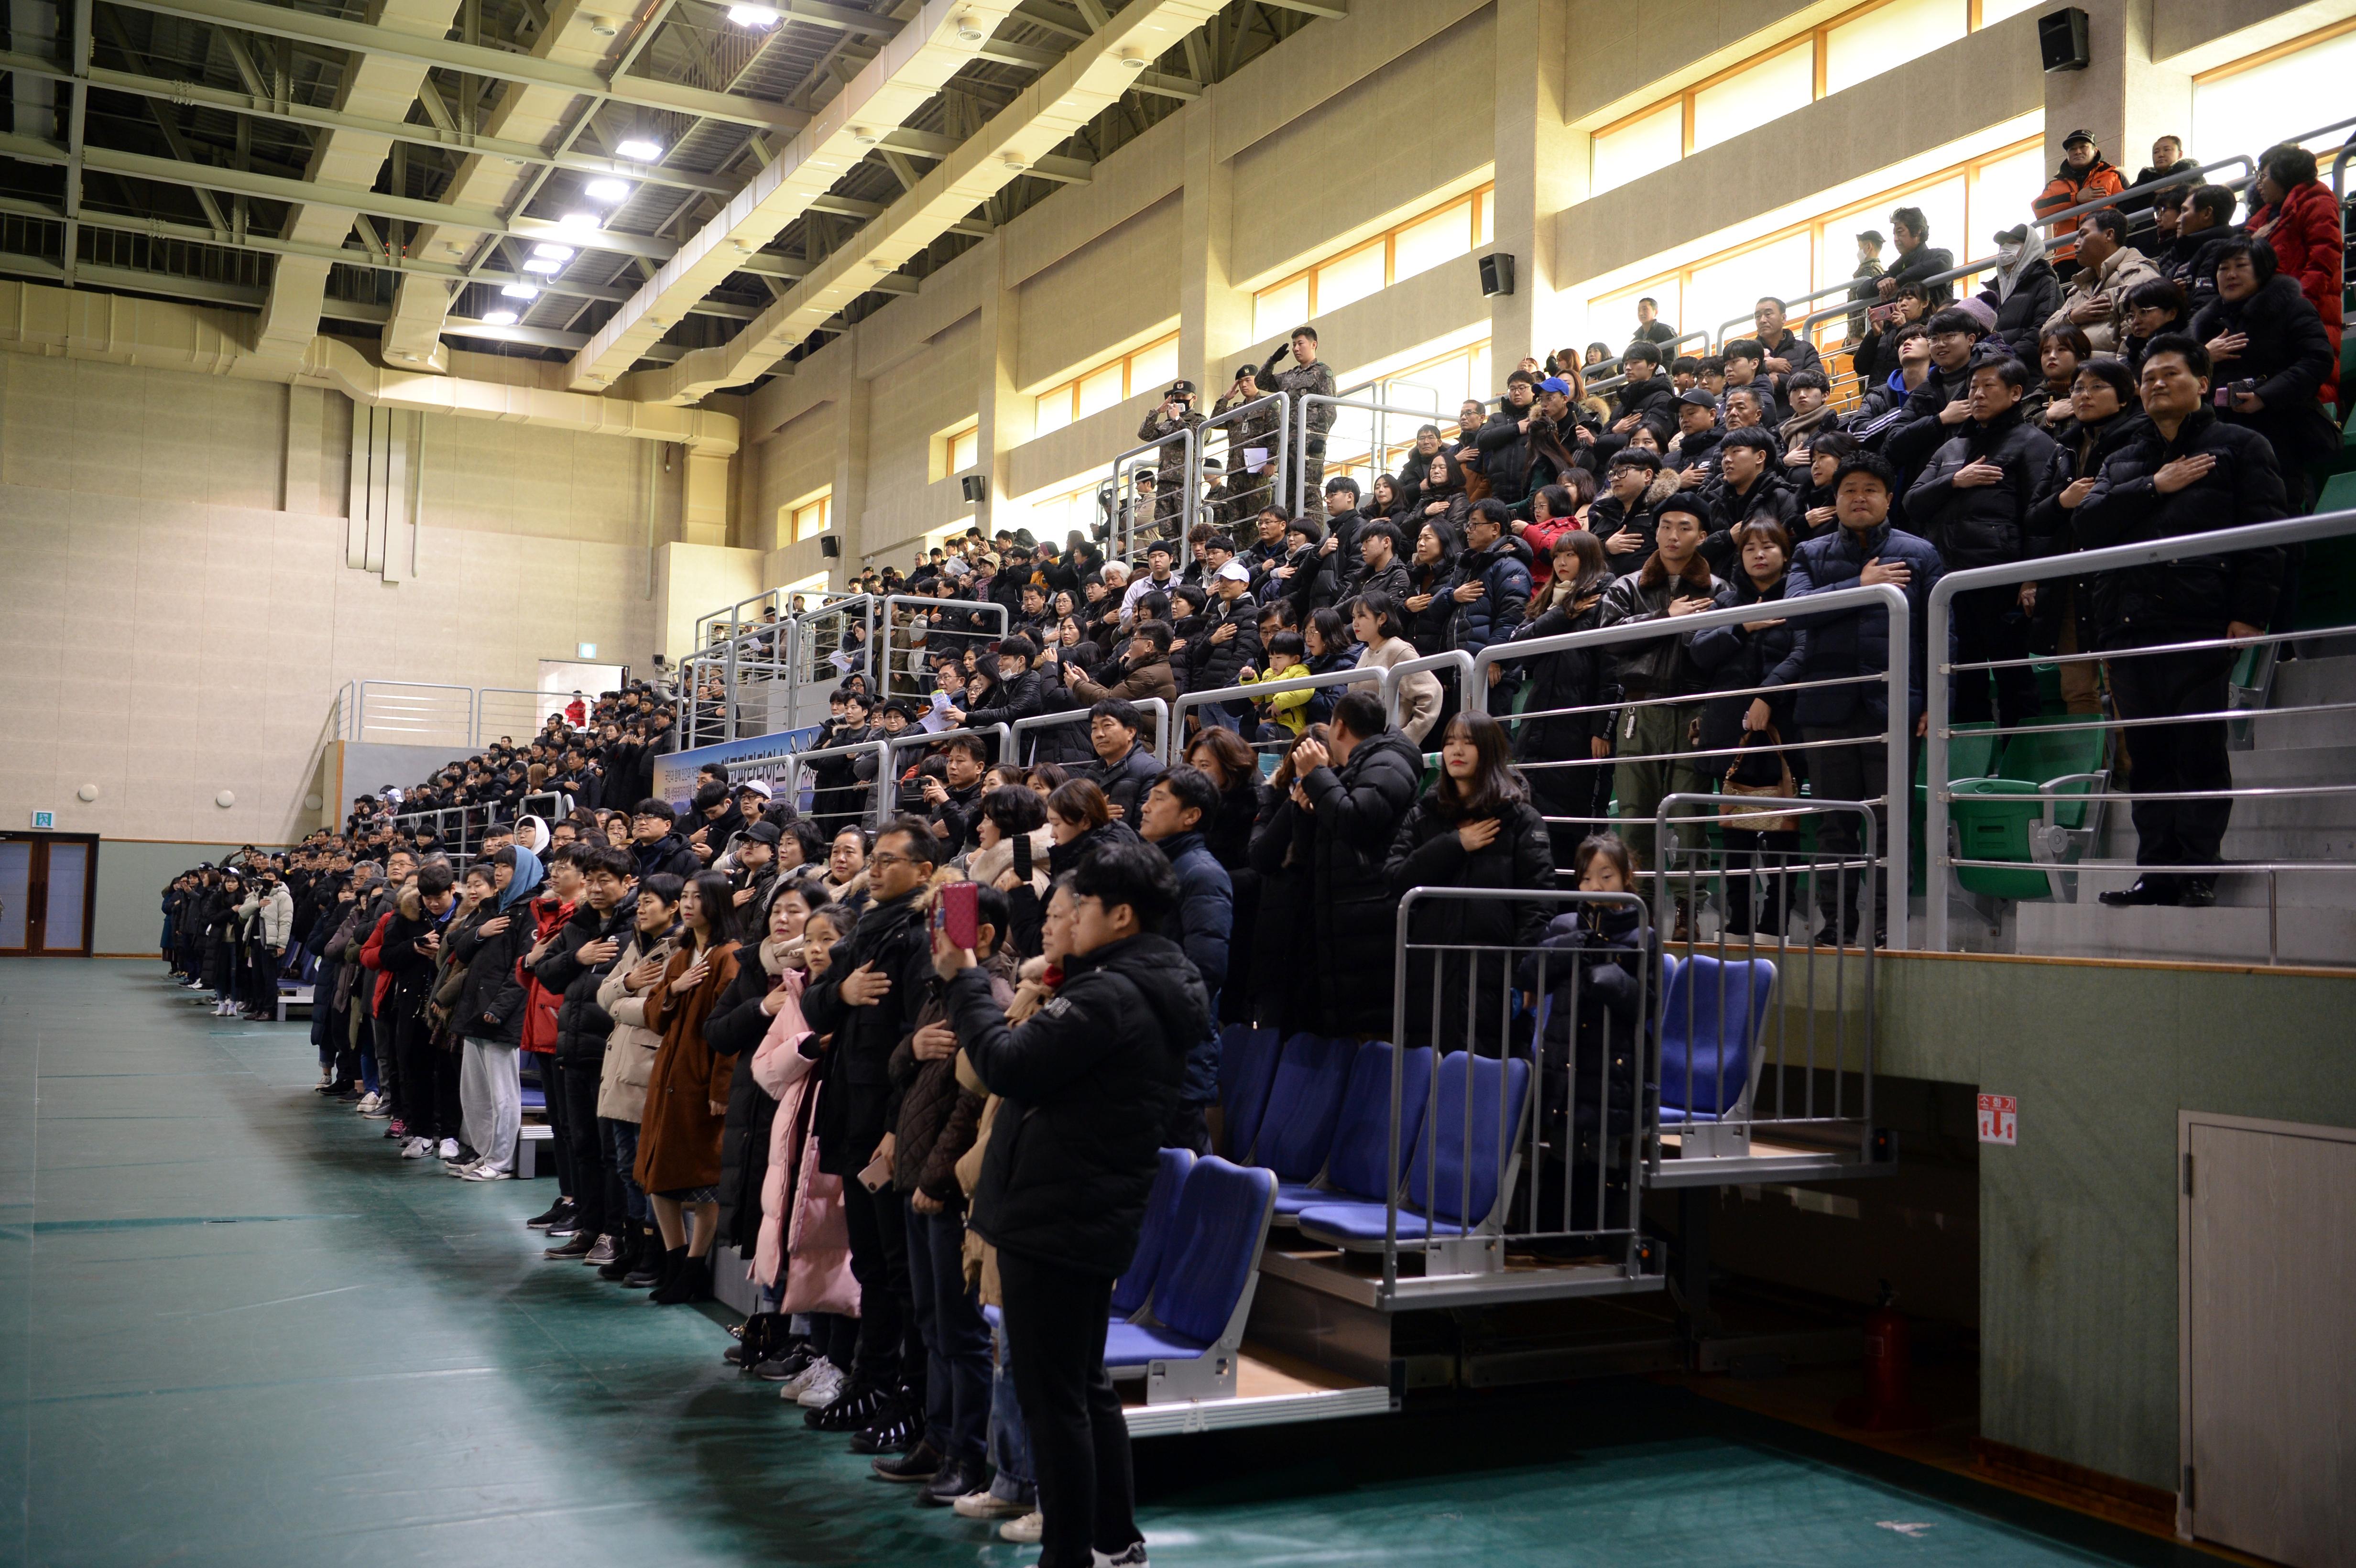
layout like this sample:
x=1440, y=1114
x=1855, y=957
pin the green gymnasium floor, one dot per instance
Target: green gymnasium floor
x=236, y=1329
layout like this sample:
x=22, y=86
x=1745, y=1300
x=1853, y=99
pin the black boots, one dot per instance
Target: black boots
x=686, y=1279
x=648, y=1270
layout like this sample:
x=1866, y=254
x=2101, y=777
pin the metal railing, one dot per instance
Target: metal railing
x=1896, y=682
x=413, y=712
x=1376, y=414
x=497, y=713
x=1129, y=533
x=1263, y=690
x=1244, y=497
x=889, y=673
x=1162, y=728
x=1941, y=858
x=1574, y=1110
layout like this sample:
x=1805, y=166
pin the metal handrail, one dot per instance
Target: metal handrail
x=1189, y=469
x=1260, y=691
x=882, y=680
x=1937, y=862
x=1158, y=706
x=1277, y=454
x=1395, y=678
x=1380, y=410
x=1897, y=678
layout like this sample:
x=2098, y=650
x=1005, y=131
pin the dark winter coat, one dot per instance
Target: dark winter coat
x=1663, y=665
x=1857, y=642
x=2289, y=357
x=1124, y=781
x=855, y=1083
x=1986, y=525
x=1356, y=815
x=670, y=854
x=1571, y=678
x=2036, y=295
x=1735, y=658
x=1202, y=925
x=1089, y=1081
x=1426, y=852
x=2180, y=601
x=1213, y=667
x=1502, y=569
x=1590, y=969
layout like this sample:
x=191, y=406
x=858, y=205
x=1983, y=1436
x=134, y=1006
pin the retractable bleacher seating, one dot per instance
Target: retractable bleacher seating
x=1356, y=1161
x=1710, y=1059
x=1463, y=1165
x=1247, y=1061
x=1186, y=1347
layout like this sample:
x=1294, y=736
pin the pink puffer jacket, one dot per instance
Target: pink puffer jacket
x=802, y=1226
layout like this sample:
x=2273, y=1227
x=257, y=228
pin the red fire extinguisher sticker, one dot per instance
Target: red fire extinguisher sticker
x=1999, y=1119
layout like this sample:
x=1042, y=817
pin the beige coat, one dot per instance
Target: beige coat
x=2125, y=268
x=1419, y=693
x=631, y=1049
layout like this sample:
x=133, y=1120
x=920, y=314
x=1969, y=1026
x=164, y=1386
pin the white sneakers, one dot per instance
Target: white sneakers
x=416, y=1147
x=1132, y=1558
x=1026, y=1530
x=449, y=1149
x=481, y=1172
x=987, y=1504
x=369, y=1101
x=458, y=1169
x=820, y=1385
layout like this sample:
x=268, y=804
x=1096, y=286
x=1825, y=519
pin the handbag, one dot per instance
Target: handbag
x=1759, y=770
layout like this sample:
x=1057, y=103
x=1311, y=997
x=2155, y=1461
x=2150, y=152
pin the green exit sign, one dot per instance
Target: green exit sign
x=45, y=820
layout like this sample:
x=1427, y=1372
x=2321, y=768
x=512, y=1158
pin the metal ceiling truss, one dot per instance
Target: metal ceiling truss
x=215, y=119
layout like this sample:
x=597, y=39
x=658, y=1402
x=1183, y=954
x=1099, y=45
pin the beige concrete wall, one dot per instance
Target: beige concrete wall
x=1975, y=83
x=907, y=407
x=2193, y=34
x=1370, y=154
x=795, y=461
x=1122, y=286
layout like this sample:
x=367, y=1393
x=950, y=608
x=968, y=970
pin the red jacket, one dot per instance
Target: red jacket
x=373, y=957
x=1540, y=538
x=540, y=1003
x=2304, y=230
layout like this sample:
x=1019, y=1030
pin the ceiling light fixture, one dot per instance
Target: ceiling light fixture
x=639, y=150
x=1016, y=161
x=519, y=290
x=969, y=30
x=587, y=222
x=499, y=318
x=604, y=26
x=760, y=19
x=1133, y=62
x=606, y=189
x=545, y=267
x=554, y=252
x=863, y=136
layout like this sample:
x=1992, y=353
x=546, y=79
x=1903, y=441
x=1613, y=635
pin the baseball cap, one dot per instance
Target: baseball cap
x=764, y=833
x=1555, y=384
x=1180, y=389
x=1697, y=397
x=2087, y=137
x=755, y=786
x=1234, y=570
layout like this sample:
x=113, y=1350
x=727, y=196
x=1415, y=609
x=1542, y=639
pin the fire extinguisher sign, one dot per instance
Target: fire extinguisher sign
x=1999, y=1119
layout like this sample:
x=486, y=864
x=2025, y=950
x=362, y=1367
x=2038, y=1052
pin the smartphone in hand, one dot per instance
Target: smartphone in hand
x=1023, y=857
x=877, y=1174
x=957, y=911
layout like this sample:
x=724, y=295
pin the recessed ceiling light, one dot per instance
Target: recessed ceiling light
x=520, y=290
x=759, y=17
x=863, y=136
x=639, y=150
x=554, y=252
x=606, y=189
x=499, y=318
x=588, y=221
x=969, y=28
x=1133, y=62
x=543, y=266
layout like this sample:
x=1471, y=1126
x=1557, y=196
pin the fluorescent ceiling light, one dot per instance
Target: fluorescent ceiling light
x=639, y=150
x=606, y=189
x=520, y=290
x=554, y=252
x=543, y=266
x=760, y=17
x=499, y=318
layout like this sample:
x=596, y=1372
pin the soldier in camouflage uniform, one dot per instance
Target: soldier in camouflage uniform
x=1176, y=413
x=1308, y=375
x=1248, y=488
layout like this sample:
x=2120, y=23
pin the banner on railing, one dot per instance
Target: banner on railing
x=675, y=773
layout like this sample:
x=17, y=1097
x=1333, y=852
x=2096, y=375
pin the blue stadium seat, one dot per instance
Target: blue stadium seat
x=535, y=1098
x=1304, y=1101
x=1202, y=1290
x=1710, y=1035
x=1357, y=1162
x=1452, y=1187
x=1133, y=1289
x=1246, y=1068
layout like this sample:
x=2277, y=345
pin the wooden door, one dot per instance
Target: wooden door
x=47, y=883
x=2269, y=1394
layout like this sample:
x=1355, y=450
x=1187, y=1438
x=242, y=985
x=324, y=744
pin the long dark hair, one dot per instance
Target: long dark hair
x=1236, y=762
x=1594, y=569
x=716, y=899
x=1494, y=784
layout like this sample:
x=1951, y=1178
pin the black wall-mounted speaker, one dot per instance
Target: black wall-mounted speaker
x=2062, y=39
x=976, y=487
x=1496, y=274
x=829, y=546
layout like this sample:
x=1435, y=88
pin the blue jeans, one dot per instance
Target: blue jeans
x=622, y=1139
x=957, y=1339
x=1010, y=1440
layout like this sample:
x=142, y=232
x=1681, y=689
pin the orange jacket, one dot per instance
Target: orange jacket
x=2066, y=189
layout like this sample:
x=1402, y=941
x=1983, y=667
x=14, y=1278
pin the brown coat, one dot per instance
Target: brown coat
x=678, y=1138
x=1152, y=679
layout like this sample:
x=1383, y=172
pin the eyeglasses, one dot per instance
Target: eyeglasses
x=885, y=858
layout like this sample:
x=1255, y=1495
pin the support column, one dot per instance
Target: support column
x=1006, y=418
x=1541, y=169
x=303, y=462
x=703, y=515
x=2122, y=97
x=1215, y=318
x=851, y=458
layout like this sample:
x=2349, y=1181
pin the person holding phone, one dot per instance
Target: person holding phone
x=1090, y=1083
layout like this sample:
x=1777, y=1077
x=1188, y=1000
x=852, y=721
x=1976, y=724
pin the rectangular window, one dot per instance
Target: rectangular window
x=1635, y=148
x=958, y=450
x=1153, y=366
x=1724, y=290
x=1349, y=278
x=1753, y=96
x=1054, y=412
x=1995, y=11
x=1425, y=241
x=2282, y=92
x=1101, y=390
x=1888, y=36
x=1147, y=369
x=811, y=517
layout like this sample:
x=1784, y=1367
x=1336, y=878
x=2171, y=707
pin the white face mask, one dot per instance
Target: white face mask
x=2006, y=255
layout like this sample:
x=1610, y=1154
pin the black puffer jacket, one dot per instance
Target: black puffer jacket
x=490, y=1006
x=1426, y=852
x=2289, y=357
x=1214, y=666
x=854, y=1090
x=582, y=1025
x=1356, y=815
x=2035, y=296
x=2180, y=601
x=1986, y=525
x=1573, y=677
x=1089, y=1081
x=735, y=1027
x=1735, y=658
